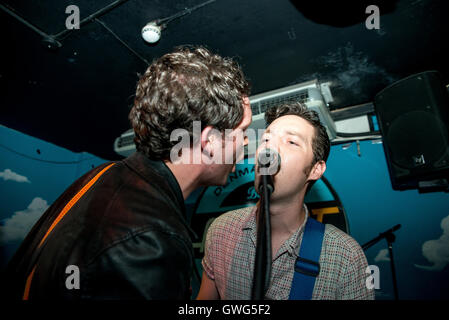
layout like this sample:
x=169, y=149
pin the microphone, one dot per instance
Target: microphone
x=269, y=164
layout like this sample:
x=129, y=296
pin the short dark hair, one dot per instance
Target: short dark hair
x=320, y=141
x=186, y=85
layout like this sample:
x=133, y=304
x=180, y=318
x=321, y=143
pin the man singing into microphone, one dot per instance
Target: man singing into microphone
x=303, y=145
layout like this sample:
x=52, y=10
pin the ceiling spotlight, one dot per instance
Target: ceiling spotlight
x=151, y=33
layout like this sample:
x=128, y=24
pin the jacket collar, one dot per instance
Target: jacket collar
x=147, y=168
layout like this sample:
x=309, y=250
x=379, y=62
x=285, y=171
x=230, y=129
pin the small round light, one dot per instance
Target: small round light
x=151, y=33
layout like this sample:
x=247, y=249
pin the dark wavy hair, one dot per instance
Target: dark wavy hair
x=186, y=85
x=320, y=141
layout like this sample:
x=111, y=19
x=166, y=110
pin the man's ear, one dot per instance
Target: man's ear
x=207, y=139
x=245, y=101
x=317, y=170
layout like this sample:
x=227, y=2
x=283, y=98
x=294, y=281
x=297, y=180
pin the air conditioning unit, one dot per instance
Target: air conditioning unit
x=311, y=93
x=124, y=145
x=314, y=95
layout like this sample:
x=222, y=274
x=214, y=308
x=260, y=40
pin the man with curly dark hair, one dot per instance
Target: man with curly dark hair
x=182, y=88
x=120, y=231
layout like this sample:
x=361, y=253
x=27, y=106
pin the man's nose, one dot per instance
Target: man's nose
x=245, y=140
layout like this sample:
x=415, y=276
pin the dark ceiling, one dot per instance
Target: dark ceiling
x=79, y=95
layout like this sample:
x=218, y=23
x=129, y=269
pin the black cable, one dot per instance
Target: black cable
x=355, y=134
x=55, y=39
x=186, y=11
x=121, y=41
x=90, y=18
x=12, y=12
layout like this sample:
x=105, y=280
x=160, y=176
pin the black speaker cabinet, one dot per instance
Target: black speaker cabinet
x=413, y=117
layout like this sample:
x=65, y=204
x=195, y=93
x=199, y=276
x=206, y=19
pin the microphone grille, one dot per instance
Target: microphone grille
x=269, y=162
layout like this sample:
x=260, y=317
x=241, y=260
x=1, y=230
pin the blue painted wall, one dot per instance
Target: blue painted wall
x=30, y=180
x=33, y=173
x=421, y=250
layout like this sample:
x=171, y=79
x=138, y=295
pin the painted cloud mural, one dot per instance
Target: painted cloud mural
x=8, y=174
x=20, y=223
x=437, y=251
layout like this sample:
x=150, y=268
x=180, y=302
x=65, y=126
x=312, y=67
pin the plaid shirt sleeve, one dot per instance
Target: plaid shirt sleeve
x=209, y=252
x=354, y=277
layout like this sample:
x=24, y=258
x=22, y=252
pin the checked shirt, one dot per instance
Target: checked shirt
x=230, y=252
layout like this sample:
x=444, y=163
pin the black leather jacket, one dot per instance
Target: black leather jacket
x=127, y=235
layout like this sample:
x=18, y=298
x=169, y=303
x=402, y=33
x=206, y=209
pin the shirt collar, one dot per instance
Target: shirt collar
x=292, y=243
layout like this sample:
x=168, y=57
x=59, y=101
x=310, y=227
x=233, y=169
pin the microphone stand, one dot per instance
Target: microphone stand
x=390, y=237
x=262, y=264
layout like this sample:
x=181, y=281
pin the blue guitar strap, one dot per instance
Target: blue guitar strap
x=307, y=265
